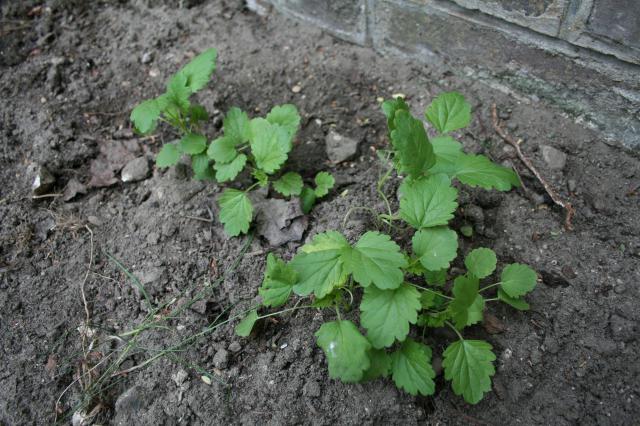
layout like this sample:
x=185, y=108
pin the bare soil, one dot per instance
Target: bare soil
x=70, y=72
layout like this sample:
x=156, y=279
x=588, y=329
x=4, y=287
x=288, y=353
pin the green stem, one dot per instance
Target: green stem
x=251, y=187
x=295, y=308
x=338, y=313
x=493, y=299
x=489, y=286
x=454, y=329
x=431, y=291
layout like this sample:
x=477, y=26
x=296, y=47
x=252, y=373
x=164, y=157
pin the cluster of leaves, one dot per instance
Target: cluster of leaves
x=260, y=144
x=403, y=289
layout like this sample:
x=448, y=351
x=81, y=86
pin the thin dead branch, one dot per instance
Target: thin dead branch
x=570, y=211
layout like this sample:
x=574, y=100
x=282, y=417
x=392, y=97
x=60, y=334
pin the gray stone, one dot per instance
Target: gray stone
x=73, y=188
x=279, y=221
x=340, y=148
x=311, y=389
x=43, y=181
x=554, y=158
x=151, y=274
x=146, y=58
x=221, y=359
x=179, y=377
x=235, y=347
x=136, y=170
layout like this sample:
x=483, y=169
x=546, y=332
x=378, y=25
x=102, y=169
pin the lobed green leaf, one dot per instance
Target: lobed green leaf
x=468, y=365
x=428, y=202
x=278, y=282
x=197, y=73
x=236, y=126
x=228, y=171
x=449, y=112
x=145, y=116
x=269, y=145
x=412, y=146
x=411, y=368
x=436, y=247
x=244, y=327
x=236, y=211
x=289, y=184
x=375, y=259
x=324, y=182
x=320, y=265
x=386, y=314
x=481, y=262
x=465, y=292
x=193, y=143
x=517, y=280
x=286, y=116
x=346, y=350
x=168, y=156
x=478, y=170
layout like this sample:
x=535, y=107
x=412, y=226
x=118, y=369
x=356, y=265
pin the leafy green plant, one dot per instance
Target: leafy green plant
x=400, y=290
x=261, y=144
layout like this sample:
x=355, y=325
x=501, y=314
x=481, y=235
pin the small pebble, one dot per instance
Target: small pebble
x=296, y=89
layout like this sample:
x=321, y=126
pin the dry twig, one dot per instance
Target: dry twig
x=570, y=211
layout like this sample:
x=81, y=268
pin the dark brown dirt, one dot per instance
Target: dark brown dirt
x=71, y=72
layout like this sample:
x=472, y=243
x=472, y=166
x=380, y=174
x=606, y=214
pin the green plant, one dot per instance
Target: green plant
x=401, y=289
x=263, y=144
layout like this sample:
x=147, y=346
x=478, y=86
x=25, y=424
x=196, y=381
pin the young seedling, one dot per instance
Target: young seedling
x=403, y=289
x=175, y=108
x=260, y=144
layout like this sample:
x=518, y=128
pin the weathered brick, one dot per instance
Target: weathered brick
x=543, y=16
x=430, y=33
x=345, y=19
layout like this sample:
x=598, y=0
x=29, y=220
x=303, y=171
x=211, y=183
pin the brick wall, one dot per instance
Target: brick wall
x=581, y=55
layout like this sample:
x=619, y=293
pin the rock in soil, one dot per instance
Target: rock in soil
x=554, y=158
x=73, y=188
x=340, y=148
x=279, y=221
x=136, y=170
x=43, y=181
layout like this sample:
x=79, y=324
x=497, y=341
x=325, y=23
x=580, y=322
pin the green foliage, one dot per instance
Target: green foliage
x=345, y=349
x=468, y=364
x=236, y=211
x=449, y=112
x=324, y=182
x=465, y=292
x=398, y=289
x=517, y=280
x=376, y=259
x=279, y=279
x=308, y=197
x=289, y=184
x=412, y=147
x=411, y=368
x=435, y=247
x=481, y=262
x=168, y=156
x=244, y=327
x=386, y=314
x=428, y=202
x=320, y=265
x=262, y=144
